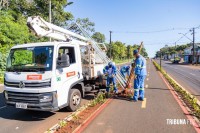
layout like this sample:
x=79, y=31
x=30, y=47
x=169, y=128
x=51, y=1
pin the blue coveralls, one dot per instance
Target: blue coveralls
x=140, y=75
x=111, y=72
x=125, y=70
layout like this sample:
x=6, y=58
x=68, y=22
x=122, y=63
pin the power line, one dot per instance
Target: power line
x=168, y=43
x=156, y=31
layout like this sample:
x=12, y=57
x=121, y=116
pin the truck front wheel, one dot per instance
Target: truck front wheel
x=74, y=100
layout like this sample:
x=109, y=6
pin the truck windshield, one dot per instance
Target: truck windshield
x=30, y=59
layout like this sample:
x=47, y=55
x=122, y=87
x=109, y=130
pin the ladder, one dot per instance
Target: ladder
x=43, y=28
x=120, y=79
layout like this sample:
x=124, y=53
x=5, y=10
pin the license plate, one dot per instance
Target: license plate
x=21, y=105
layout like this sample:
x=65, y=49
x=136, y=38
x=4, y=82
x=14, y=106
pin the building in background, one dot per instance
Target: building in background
x=188, y=54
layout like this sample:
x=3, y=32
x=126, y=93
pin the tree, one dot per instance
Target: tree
x=41, y=8
x=11, y=32
x=98, y=37
x=85, y=23
x=144, y=53
x=4, y=4
x=173, y=50
x=129, y=51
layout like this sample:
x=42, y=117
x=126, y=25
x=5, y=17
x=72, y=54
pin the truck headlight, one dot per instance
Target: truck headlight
x=46, y=98
x=6, y=95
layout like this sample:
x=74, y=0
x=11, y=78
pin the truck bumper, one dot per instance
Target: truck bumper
x=33, y=101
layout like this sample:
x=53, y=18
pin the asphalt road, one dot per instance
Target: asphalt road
x=122, y=116
x=22, y=121
x=186, y=75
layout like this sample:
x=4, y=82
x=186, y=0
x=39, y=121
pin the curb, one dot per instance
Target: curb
x=191, y=96
x=185, y=109
x=84, y=125
x=70, y=117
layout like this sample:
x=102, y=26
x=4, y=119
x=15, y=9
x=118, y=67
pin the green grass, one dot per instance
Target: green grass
x=117, y=61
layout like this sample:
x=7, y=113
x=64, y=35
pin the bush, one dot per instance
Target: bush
x=98, y=100
x=1, y=77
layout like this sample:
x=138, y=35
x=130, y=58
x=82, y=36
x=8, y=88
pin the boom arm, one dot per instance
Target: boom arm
x=43, y=28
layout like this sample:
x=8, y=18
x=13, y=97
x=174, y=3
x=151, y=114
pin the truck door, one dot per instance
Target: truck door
x=67, y=75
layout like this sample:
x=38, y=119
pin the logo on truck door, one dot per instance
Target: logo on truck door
x=69, y=74
x=34, y=77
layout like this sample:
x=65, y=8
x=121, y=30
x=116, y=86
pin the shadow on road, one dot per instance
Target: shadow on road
x=2, y=103
x=12, y=113
x=24, y=115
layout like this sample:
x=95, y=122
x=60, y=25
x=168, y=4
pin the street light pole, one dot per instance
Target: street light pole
x=193, y=32
x=160, y=59
x=50, y=15
x=175, y=52
x=110, y=43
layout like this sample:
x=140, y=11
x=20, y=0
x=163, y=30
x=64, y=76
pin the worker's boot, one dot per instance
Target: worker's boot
x=107, y=94
x=141, y=99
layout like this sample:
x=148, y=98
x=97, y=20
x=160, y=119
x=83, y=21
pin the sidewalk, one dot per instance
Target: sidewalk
x=122, y=116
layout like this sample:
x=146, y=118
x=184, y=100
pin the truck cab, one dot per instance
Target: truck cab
x=44, y=76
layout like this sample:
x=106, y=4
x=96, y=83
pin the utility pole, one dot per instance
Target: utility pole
x=160, y=59
x=50, y=15
x=110, y=43
x=174, y=52
x=193, y=33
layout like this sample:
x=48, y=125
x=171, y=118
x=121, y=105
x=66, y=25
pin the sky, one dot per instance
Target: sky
x=155, y=22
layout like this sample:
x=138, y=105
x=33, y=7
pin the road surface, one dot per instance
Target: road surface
x=186, y=75
x=21, y=121
x=122, y=116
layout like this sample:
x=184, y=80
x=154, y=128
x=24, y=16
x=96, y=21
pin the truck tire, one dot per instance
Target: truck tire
x=74, y=100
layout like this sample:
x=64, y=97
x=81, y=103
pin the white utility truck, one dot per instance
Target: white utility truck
x=48, y=76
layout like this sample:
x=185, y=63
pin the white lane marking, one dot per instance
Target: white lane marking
x=146, y=86
x=192, y=74
x=17, y=128
x=2, y=107
x=147, y=79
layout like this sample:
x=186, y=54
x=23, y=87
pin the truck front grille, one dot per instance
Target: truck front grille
x=29, y=84
x=23, y=97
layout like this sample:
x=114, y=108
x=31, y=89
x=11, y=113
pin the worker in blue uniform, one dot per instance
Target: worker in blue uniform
x=140, y=75
x=110, y=71
x=125, y=70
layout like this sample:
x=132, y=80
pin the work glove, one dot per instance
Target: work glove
x=106, y=74
x=133, y=64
